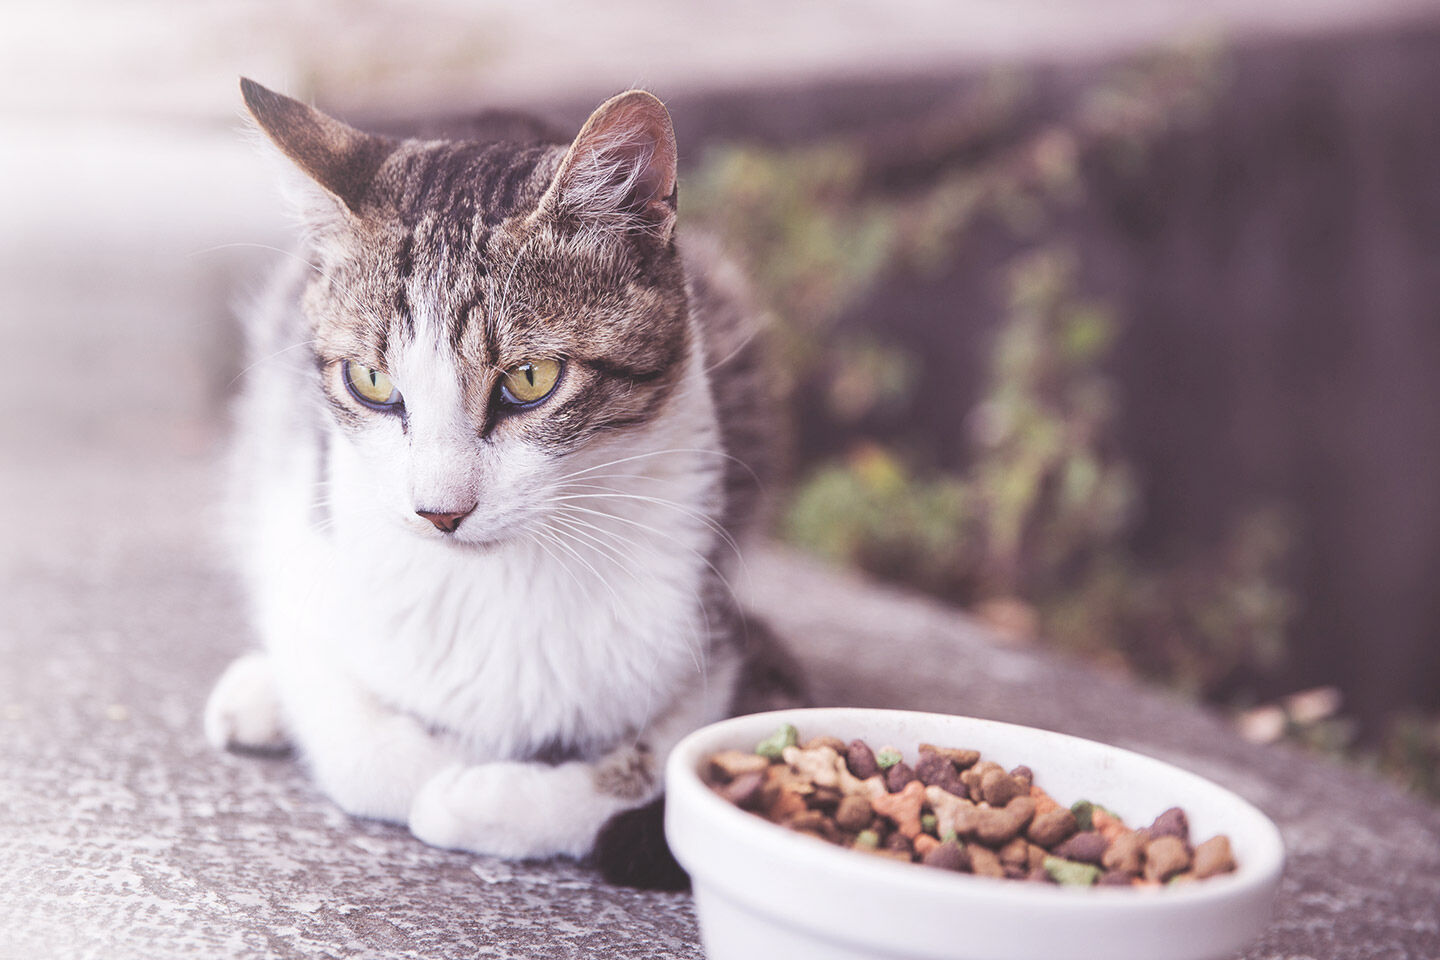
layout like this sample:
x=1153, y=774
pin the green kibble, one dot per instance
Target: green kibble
x=949, y=837
x=867, y=840
x=774, y=745
x=928, y=823
x=888, y=758
x=1083, y=810
x=1071, y=874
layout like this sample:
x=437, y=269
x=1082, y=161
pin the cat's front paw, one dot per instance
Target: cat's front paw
x=243, y=711
x=514, y=810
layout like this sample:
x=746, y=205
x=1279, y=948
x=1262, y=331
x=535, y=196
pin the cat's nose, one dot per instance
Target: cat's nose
x=446, y=522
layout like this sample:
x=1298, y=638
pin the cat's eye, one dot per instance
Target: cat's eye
x=370, y=386
x=526, y=384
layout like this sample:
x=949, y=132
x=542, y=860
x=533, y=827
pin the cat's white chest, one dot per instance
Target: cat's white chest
x=511, y=650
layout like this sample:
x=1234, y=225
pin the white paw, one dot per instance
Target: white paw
x=514, y=810
x=244, y=708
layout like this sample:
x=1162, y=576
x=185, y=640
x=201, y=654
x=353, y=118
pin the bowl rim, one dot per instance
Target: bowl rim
x=1261, y=866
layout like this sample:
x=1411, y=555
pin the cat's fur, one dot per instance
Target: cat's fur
x=510, y=686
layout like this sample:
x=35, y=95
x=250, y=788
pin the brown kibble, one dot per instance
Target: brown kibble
x=729, y=764
x=999, y=788
x=903, y=808
x=996, y=827
x=936, y=771
x=833, y=743
x=1126, y=853
x=1024, y=775
x=984, y=862
x=952, y=814
x=861, y=760
x=962, y=759
x=898, y=776
x=785, y=804
x=1036, y=855
x=899, y=843
x=854, y=813
x=824, y=798
x=780, y=777
x=745, y=791
x=1015, y=853
x=947, y=856
x=1171, y=823
x=1088, y=846
x=1039, y=875
x=1049, y=829
x=1115, y=879
x=1214, y=856
x=1164, y=857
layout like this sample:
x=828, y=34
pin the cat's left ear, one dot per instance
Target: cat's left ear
x=619, y=174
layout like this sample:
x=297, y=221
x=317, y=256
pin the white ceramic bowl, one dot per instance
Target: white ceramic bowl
x=764, y=891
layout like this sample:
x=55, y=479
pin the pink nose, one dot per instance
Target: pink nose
x=446, y=522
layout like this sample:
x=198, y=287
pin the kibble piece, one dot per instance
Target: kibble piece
x=729, y=764
x=854, y=813
x=947, y=856
x=953, y=816
x=1213, y=856
x=1024, y=775
x=924, y=844
x=824, y=798
x=834, y=743
x=1049, y=829
x=897, y=776
x=1115, y=879
x=903, y=808
x=1106, y=823
x=1082, y=809
x=861, y=760
x=784, y=804
x=1015, y=853
x=936, y=771
x=999, y=788
x=867, y=840
x=984, y=862
x=888, y=757
x=745, y=791
x=928, y=823
x=899, y=843
x=1126, y=853
x=1164, y=857
x=1070, y=873
x=774, y=745
x=818, y=764
x=1044, y=803
x=1171, y=823
x=1036, y=855
x=1088, y=846
x=997, y=827
x=961, y=758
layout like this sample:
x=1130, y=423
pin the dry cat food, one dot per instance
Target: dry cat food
x=955, y=811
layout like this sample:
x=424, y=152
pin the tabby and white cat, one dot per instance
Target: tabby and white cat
x=491, y=461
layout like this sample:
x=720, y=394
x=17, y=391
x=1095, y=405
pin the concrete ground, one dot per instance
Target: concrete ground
x=124, y=195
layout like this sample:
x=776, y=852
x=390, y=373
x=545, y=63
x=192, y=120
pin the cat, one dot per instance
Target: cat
x=497, y=442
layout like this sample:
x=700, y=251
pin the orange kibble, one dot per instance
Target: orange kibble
x=1106, y=825
x=1044, y=803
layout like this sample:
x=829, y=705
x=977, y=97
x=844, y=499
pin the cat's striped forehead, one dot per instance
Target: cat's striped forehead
x=457, y=250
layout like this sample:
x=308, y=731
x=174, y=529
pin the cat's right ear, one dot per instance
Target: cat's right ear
x=337, y=157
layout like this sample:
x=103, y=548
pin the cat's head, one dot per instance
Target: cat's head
x=486, y=316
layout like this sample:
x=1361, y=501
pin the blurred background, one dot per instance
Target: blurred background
x=1115, y=322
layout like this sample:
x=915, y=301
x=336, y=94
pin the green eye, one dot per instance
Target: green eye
x=370, y=386
x=526, y=384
